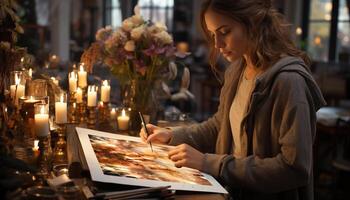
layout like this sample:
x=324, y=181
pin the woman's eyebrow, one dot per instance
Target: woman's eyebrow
x=222, y=26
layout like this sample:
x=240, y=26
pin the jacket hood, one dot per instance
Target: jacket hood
x=291, y=64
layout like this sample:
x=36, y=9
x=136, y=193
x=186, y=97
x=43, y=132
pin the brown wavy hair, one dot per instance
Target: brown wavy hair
x=268, y=32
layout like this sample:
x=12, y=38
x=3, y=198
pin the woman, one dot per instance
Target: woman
x=259, y=143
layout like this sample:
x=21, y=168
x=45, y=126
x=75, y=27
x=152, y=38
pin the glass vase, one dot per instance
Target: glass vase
x=139, y=96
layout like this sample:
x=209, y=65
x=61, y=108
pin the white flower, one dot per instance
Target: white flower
x=129, y=45
x=137, y=32
x=164, y=37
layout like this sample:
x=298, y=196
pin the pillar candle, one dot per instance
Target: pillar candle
x=41, y=123
x=92, y=96
x=79, y=95
x=61, y=111
x=72, y=81
x=123, y=121
x=105, y=91
x=82, y=77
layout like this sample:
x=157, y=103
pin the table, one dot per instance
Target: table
x=76, y=155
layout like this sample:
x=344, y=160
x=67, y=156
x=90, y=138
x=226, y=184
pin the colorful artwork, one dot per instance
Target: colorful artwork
x=127, y=160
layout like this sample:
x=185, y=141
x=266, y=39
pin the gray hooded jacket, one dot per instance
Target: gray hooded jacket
x=280, y=127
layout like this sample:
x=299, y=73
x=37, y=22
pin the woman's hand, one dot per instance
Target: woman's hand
x=156, y=134
x=186, y=156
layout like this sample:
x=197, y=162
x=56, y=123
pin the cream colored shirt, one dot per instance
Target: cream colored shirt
x=237, y=111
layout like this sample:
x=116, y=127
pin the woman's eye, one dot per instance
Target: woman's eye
x=224, y=32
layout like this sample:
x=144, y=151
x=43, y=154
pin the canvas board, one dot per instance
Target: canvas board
x=121, y=159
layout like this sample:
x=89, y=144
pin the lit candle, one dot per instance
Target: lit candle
x=31, y=100
x=82, y=77
x=123, y=121
x=17, y=90
x=105, y=91
x=55, y=81
x=113, y=114
x=36, y=149
x=61, y=111
x=79, y=95
x=30, y=72
x=36, y=145
x=92, y=96
x=72, y=81
x=41, y=120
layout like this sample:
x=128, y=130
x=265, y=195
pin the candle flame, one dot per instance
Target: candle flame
x=31, y=98
x=73, y=75
x=61, y=99
x=105, y=83
x=81, y=68
x=30, y=72
x=92, y=88
x=74, y=105
x=42, y=110
x=78, y=90
x=113, y=111
x=123, y=113
x=17, y=80
x=36, y=143
x=22, y=59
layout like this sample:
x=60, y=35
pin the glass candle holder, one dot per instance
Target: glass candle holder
x=41, y=120
x=37, y=88
x=105, y=91
x=17, y=85
x=61, y=109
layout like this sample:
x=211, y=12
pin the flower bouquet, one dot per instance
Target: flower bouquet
x=139, y=53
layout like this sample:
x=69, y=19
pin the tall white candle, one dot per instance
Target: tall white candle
x=105, y=91
x=79, y=95
x=92, y=96
x=17, y=90
x=41, y=123
x=61, y=111
x=82, y=77
x=73, y=81
x=123, y=121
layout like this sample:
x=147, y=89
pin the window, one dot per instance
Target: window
x=113, y=15
x=329, y=30
x=158, y=11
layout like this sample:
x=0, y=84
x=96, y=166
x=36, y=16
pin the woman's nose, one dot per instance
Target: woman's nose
x=219, y=43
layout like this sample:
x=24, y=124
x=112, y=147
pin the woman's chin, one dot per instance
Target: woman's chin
x=231, y=58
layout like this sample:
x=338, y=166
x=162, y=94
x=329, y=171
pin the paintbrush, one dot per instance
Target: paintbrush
x=145, y=127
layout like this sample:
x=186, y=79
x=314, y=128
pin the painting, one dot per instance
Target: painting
x=121, y=159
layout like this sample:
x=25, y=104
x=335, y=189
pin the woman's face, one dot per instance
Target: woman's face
x=228, y=35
